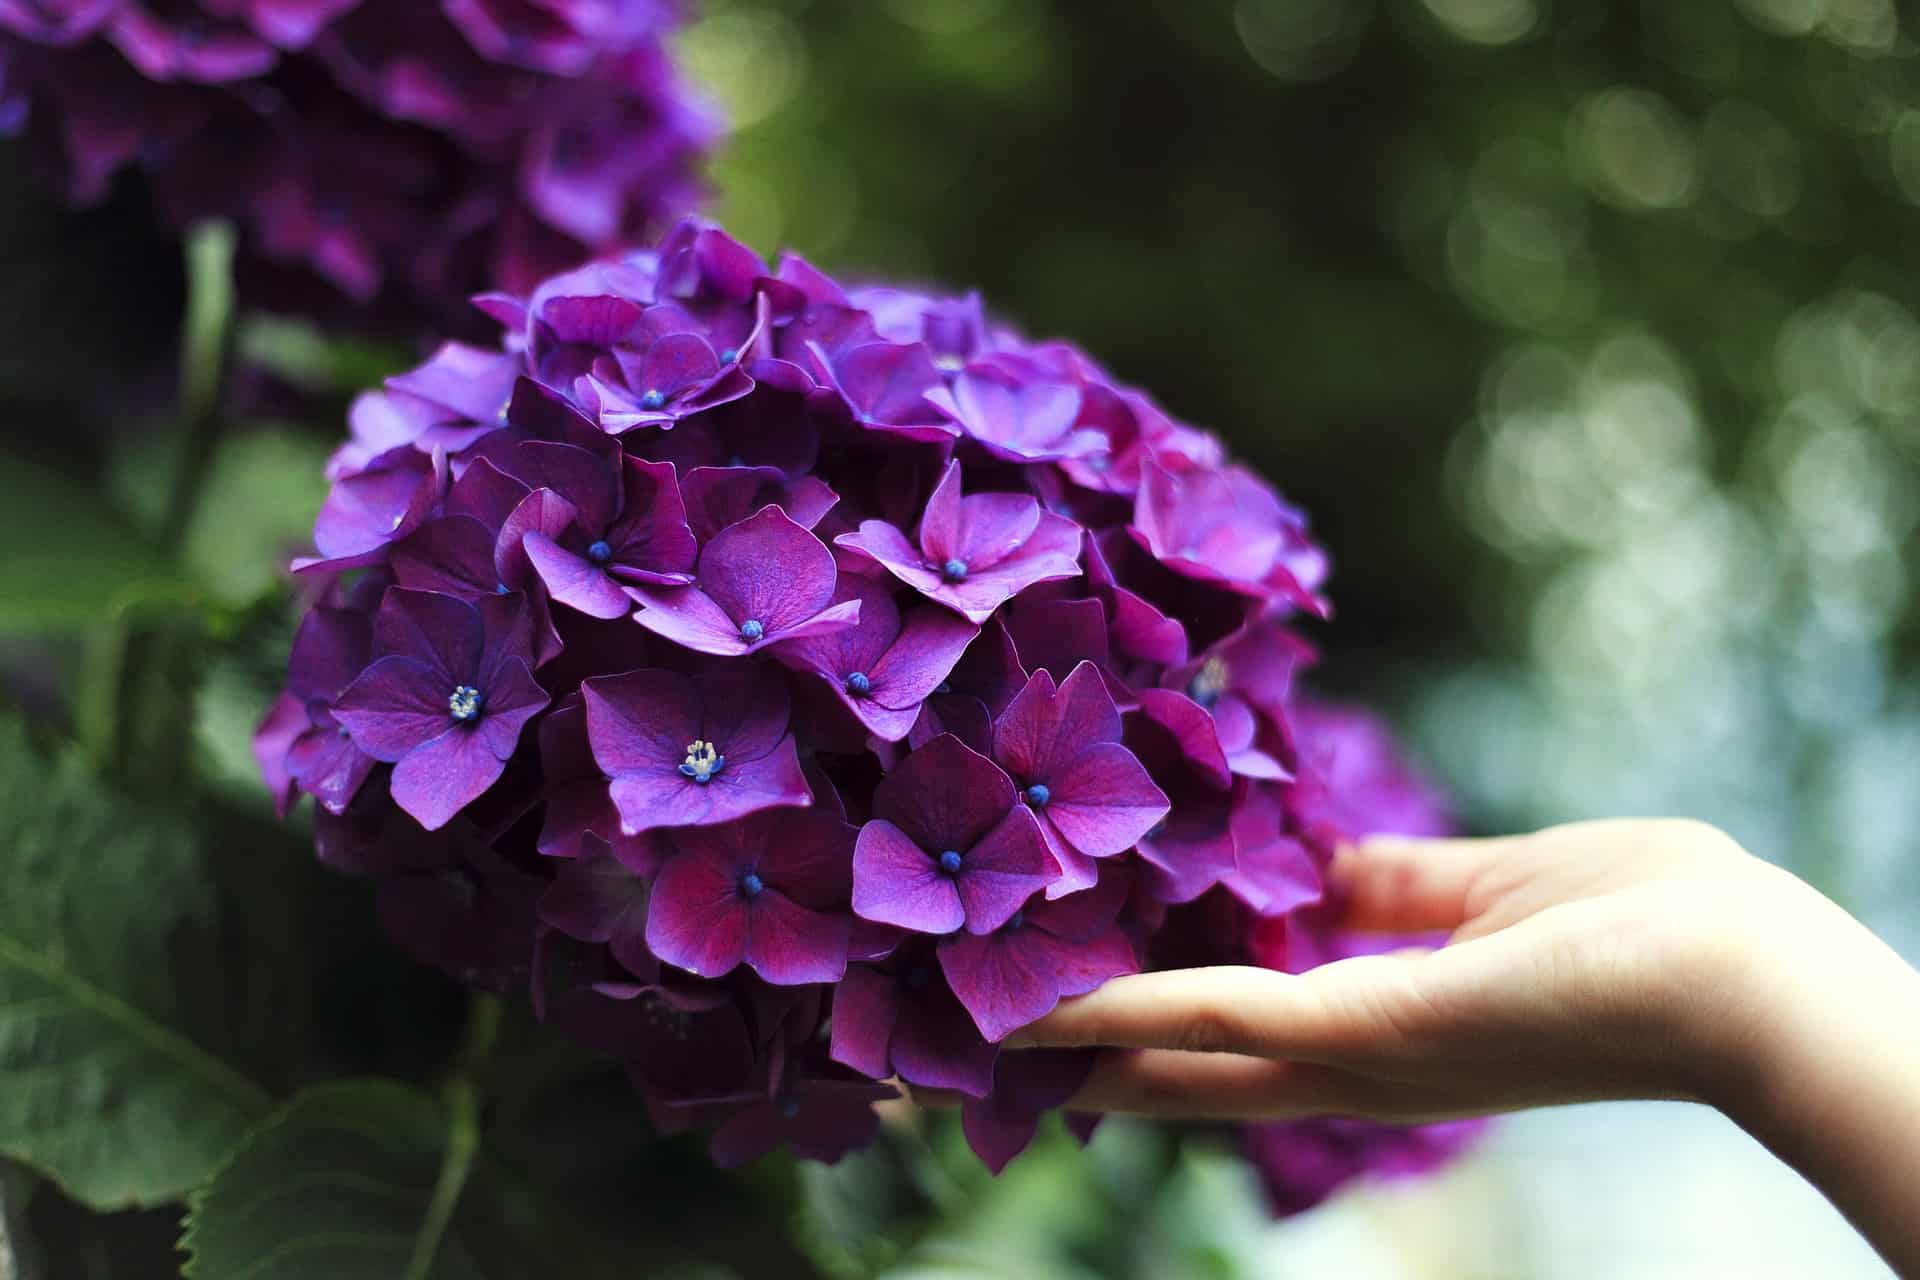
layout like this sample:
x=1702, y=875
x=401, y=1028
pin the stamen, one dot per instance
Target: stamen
x=950, y=862
x=653, y=399
x=751, y=630
x=600, y=552
x=1038, y=794
x=752, y=885
x=464, y=703
x=702, y=762
x=954, y=571
x=859, y=685
x=1209, y=682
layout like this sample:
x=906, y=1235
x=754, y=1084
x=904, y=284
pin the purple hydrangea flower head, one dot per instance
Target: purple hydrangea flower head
x=795, y=688
x=446, y=699
x=974, y=553
x=401, y=154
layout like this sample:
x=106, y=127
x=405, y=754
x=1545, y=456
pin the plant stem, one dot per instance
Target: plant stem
x=461, y=1096
x=206, y=350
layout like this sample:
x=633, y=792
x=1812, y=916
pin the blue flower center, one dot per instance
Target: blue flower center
x=954, y=571
x=729, y=355
x=599, y=552
x=1038, y=795
x=463, y=704
x=501, y=588
x=702, y=762
x=751, y=630
x=943, y=687
x=789, y=1107
x=1014, y=921
x=859, y=685
x=653, y=399
x=950, y=862
x=751, y=885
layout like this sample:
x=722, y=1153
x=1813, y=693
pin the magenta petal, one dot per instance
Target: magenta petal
x=1044, y=727
x=452, y=555
x=596, y=899
x=944, y=796
x=1081, y=966
x=1193, y=729
x=1008, y=866
x=923, y=655
x=513, y=697
x=431, y=626
x=743, y=709
x=583, y=478
x=791, y=945
x=640, y=721
x=895, y=881
x=688, y=617
x=665, y=798
x=993, y=526
x=1105, y=801
x=697, y=919
x=865, y=1006
x=486, y=494
x=1003, y=979
x=769, y=569
x=574, y=580
x=437, y=780
x=935, y=1044
x=395, y=705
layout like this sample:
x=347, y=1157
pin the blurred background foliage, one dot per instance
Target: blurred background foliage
x=1587, y=333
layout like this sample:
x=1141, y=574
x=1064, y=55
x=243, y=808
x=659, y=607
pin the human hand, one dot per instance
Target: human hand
x=1643, y=959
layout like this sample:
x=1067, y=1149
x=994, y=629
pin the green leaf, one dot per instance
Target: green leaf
x=120, y=989
x=378, y=1179
x=255, y=512
x=69, y=561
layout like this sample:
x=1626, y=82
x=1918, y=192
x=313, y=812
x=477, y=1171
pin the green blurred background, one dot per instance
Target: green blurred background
x=1587, y=334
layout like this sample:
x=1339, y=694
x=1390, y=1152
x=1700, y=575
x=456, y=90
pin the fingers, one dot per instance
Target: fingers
x=1396, y=884
x=1228, y=1009
x=1174, y=1084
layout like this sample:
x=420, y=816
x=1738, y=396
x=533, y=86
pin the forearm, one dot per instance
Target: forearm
x=1832, y=1087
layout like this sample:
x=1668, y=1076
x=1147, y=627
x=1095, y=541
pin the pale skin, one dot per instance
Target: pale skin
x=1603, y=960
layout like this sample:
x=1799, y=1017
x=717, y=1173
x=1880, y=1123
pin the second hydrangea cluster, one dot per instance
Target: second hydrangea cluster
x=801, y=687
x=407, y=151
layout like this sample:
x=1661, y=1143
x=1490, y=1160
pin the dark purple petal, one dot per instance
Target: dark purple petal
x=897, y=882
x=944, y=796
x=437, y=779
x=397, y=704
x=866, y=1005
x=1007, y=867
x=697, y=919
